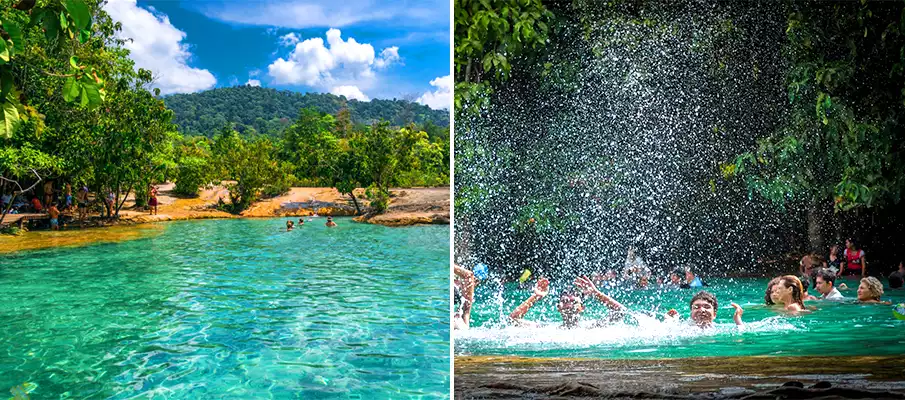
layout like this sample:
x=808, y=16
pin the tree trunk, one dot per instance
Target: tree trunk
x=817, y=218
x=120, y=204
x=9, y=206
x=354, y=200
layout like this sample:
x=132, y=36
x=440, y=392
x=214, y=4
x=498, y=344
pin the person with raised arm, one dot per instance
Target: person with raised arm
x=465, y=282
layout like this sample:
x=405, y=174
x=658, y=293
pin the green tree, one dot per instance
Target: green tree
x=488, y=36
x=310, y=145
x=841, y=146
x=251, y=164
x=193, y=169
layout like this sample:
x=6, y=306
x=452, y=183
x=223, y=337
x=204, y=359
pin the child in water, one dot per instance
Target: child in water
x=288, y=226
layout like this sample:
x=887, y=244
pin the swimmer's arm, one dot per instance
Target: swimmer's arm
x=738, y=314
x=463, y=273
x=609, y=301
x=468, y=292
x=589, y=288
x=863, y=267
x=523, y=308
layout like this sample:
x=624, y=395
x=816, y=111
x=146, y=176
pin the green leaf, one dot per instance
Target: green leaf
x=10, y=117
x=84, y=101
x=64, y=22
x=74, y=61
x=6, y=82
x=71, y=89
x=15, y=34
x=94, y=96
x=84, y=36
x=79, y=12
x=51, y=26
x=4, y=52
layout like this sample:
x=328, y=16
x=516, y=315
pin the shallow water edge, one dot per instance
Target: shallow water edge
x=710, y=377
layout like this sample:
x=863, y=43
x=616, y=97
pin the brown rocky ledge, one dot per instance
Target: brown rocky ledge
x=690, y=378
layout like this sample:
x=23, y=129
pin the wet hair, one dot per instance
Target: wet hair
x=874, y=286
x=826, y=275
x=770, y=285
x=792, y=281
x=706, y=296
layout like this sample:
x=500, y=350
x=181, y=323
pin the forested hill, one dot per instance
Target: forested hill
x=269, y=111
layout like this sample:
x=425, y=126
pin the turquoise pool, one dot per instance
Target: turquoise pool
x=830, y=329
x=232, y=309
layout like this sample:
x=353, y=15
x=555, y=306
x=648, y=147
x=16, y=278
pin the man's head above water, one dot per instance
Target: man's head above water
x=570, y=306
x=703, y=308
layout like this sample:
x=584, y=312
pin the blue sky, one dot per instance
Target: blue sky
x=358, y=48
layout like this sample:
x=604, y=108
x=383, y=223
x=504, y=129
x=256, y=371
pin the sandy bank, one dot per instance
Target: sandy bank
x=407, y=207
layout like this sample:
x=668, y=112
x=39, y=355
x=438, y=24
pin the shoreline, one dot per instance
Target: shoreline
x=699, y=377
x=408, y=206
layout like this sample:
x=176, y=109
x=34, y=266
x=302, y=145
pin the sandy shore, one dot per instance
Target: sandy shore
x=407, y=207
x=481, y=377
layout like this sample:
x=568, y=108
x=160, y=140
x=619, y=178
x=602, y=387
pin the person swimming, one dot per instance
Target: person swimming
x=301, y=221
x=703, y=310
x=570, y=305
x=692, y=280
x=465, y=283
x=288, y=226
x=330, y=222
x=870, y=290
x=786, y=290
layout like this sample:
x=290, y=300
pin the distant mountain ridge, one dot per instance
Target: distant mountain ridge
x=270, y=111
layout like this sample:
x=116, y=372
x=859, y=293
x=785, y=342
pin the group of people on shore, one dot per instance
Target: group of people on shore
x=57, y=202
x=290, y=224
x=788, y=291
x=849, y=262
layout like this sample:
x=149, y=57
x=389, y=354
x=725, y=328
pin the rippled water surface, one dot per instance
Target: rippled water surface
x=830, y=328
x=232, y=309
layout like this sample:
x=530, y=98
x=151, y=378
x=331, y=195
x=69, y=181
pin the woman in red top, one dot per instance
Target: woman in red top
x=152, y=200
x=854, y=260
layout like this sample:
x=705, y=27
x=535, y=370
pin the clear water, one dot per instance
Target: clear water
x=232, y=309
x=830, y=328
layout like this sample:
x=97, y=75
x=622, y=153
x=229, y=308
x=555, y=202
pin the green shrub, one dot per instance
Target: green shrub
x=192, y=173
x=379, y=198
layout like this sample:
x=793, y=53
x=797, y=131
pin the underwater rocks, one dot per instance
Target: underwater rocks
x=572, y=390
x=844, y=377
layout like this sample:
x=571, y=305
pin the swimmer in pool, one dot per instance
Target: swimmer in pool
x=465, y=283
x=870, y=290
x=288, y=226
x=330, y=222
x=787, y=290
x=570, y=305
x=703, y=310
x=301, y=221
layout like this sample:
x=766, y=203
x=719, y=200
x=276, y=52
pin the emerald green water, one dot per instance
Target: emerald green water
x=831, y=328
x=232, y=309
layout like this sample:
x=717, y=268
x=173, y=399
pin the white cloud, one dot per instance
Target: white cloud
x=440, y=98
x=253, y=82
x=332, y=63
x=297, y=14
x=157, y=46
x=388, y=56
x=351, y=92
x=289, y=39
